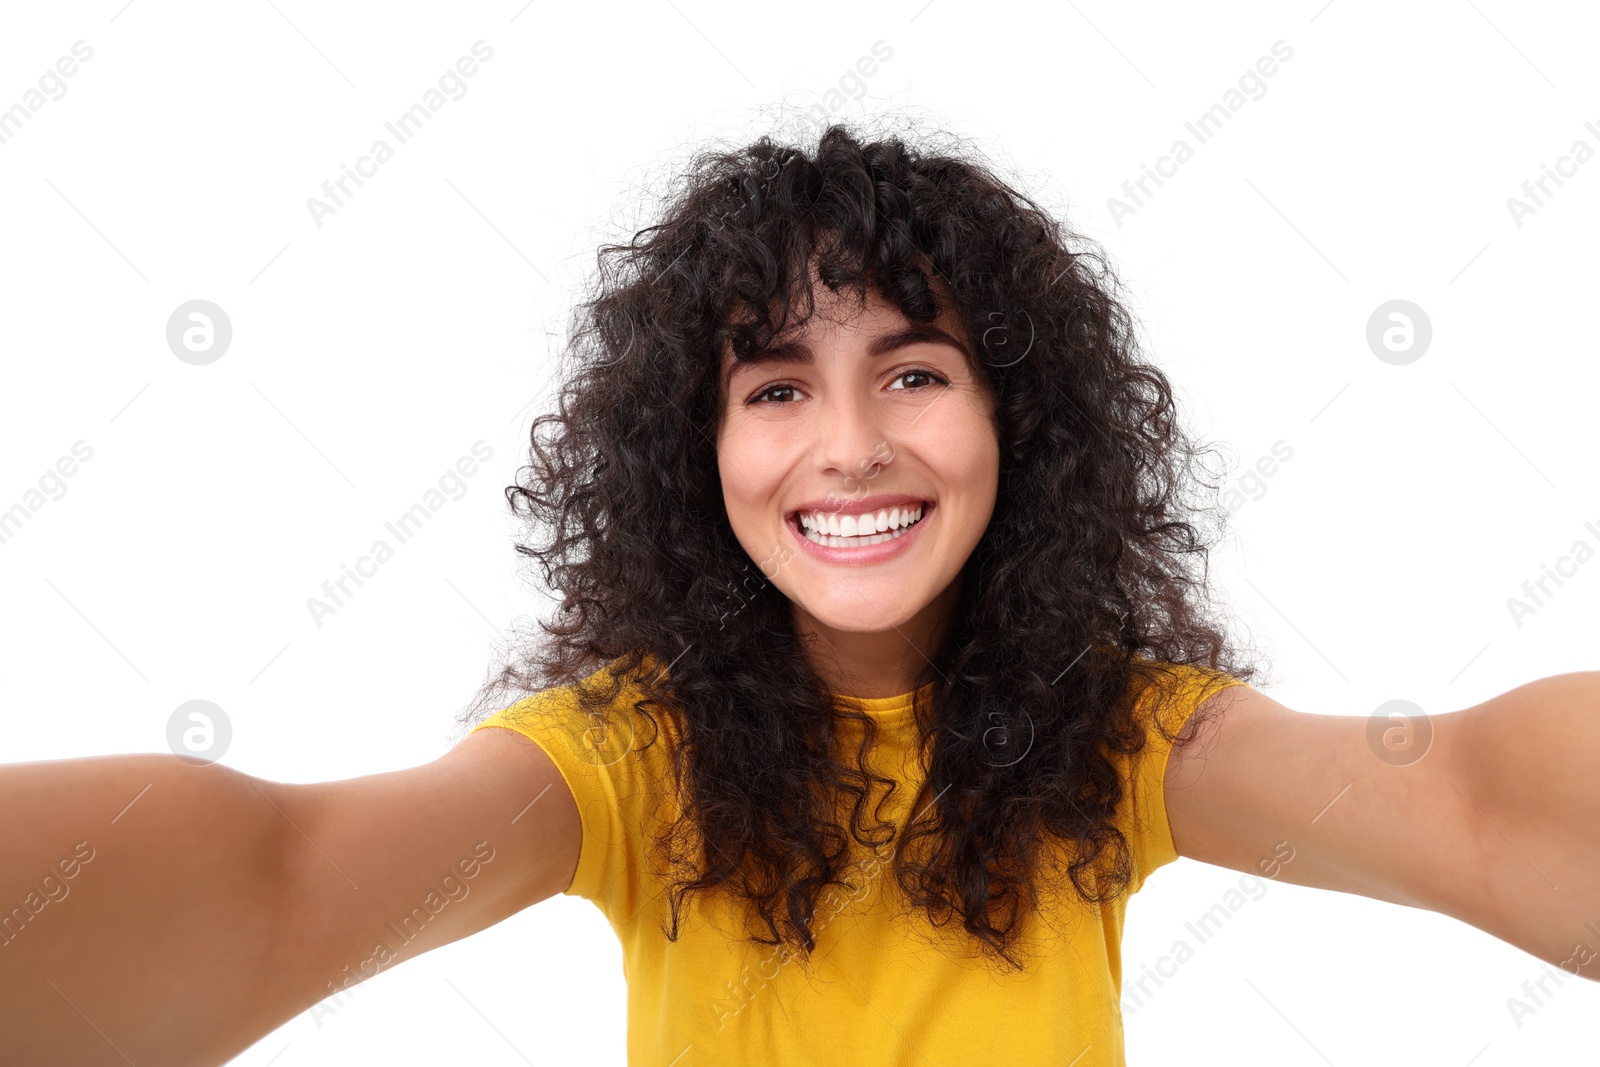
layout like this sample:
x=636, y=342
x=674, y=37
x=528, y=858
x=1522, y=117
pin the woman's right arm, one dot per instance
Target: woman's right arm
x=157, y=911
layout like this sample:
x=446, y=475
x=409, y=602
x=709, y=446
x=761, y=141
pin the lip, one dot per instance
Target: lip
x=878, y=553
x=876, y=502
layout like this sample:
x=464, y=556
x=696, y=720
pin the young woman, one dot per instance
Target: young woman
x=883, y=674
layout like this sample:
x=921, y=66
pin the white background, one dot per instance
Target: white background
x=368, y=354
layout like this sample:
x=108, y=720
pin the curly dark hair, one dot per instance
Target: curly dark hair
x=1089, y=581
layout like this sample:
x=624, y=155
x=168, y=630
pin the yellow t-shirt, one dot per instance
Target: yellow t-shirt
x=884, y=988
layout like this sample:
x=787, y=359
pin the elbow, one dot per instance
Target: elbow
x=1523, y=763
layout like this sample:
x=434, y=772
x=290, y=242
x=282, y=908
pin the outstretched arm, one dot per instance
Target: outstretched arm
x=162, y=912
x=1495, y=820
x=1530, y=757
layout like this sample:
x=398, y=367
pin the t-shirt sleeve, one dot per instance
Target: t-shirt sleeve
x=1142, y=817
x=614, y=779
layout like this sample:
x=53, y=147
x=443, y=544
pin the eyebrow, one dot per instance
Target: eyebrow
x=800, y=352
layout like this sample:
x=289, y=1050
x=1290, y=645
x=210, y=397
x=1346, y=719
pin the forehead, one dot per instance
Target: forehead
x=873, y=321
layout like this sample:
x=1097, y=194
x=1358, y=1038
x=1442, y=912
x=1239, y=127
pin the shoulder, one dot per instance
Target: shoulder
x=1169, y=702
x=603, y=721
x=612, y=748
x=1167, y=695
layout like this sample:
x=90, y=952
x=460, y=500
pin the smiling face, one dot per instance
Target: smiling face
x=877, y=429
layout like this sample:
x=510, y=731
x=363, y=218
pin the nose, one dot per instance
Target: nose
x=848, y=435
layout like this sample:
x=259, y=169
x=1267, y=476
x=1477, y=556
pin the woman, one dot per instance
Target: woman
x=882, y=676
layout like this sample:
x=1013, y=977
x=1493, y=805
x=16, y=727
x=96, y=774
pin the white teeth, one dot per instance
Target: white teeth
x=854, y=531
x=864, y=525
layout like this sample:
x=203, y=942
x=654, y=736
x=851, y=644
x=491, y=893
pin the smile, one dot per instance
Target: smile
x=857, y=531
x=859, y=538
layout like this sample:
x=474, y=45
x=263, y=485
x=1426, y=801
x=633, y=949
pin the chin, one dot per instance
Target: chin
x=857, y=610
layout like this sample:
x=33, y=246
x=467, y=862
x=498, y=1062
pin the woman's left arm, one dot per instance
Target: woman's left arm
x=1490, y=815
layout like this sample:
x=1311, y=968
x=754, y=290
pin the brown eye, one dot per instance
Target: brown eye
x=931, y=377
x=769, y=390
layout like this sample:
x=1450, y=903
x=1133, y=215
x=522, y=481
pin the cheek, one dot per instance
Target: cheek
x=979, y=487
x=734, y=494
x=968, y=451
x=749, y=472
x=970, y=471
x=754, y=453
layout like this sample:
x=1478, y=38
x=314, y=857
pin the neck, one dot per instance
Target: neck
x=878, y=663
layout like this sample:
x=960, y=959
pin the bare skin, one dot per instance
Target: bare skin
x=205, y=907
x=832, y=416
x=218, y=906
x=1497, y=824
